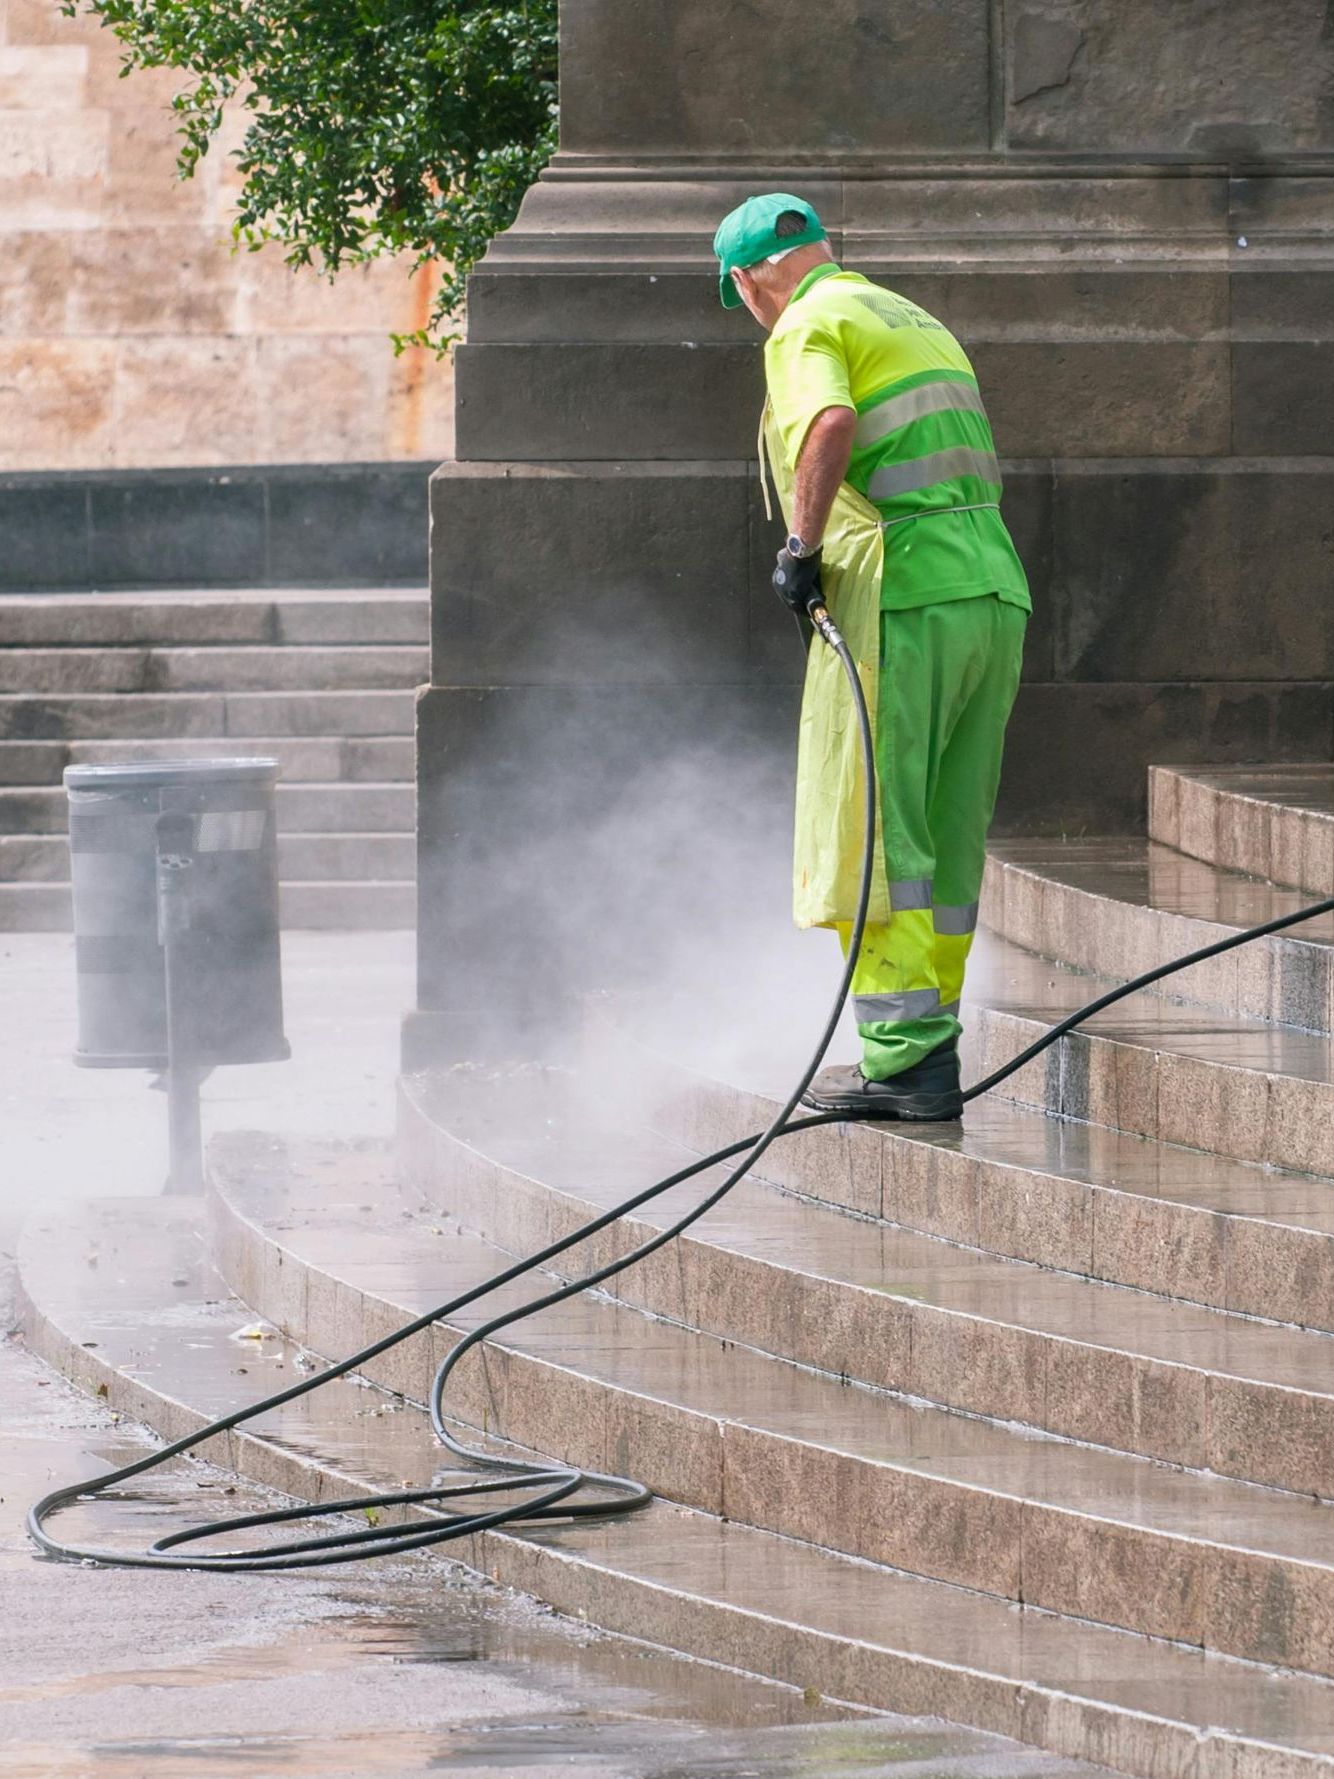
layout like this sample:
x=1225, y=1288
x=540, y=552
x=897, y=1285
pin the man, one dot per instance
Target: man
x=883, y=451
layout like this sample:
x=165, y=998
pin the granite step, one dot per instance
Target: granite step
x=1016, y=1182
x=330, y=905
x=789, y=1610
x=1236, y=1089
x=35, y=907
x=523, y=1156
x=309, y=808
x=374, y=615
x=388, y=757
x=101, y=716
x=1218, y=1082
x=1272, y=821
x=253, y=667
x=1084, y=1532
x=44, y=858
x=373, y=906
x=1121, y=906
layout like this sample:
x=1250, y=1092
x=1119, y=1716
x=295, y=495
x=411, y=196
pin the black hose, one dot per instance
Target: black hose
x=548, y=1488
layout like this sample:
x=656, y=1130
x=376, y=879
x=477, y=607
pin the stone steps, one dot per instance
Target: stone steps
x=349, y=758
x=237, y=715
x=1121, y=906
x=322, y=680
x=330, y=905
x=1072, y=1362
x=727, y=1592
x=1272, y=821
x=882, y=1305
x=254, y=667
x=1019, y=1183
x=1088, y=1533
x=314, y=857
x=302, y=808
x=380, y=616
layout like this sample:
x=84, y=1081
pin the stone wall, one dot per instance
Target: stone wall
x=130, y=334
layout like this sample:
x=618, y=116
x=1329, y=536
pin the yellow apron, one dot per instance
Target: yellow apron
x=831, y=791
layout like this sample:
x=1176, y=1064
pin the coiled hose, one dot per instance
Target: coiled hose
x=543, y=1491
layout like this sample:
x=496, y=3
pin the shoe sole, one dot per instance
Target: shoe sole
x=937, y=1109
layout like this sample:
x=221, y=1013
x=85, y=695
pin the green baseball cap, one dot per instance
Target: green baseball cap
x=746, y=236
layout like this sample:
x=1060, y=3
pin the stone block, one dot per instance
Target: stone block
x=35, y=282
x=338, y=808
x=1283, y=397
x=1094, y=305
x=347, y=525
x=186, y=531
x=44, y=533
x=73, y=670
x=980, y=1367
x=692, y=76
x=1100, y=399
x=32, y=762
x=189, y=400
x=61, y=146
x=606, y=402
x=147, y=280
x=1026, y=507
x=1157, y=1244
x=142, y=184
x=1211, y=84
x=1035, y=1216
x=602, y=789
x=1268, y=1610
x=653, y=581
x=1269, y=303
x=1118, y=1574
x=635, y=304
x=419, y=412
x=56, y=405
x=257, y=667
x=34, y=858
x=1077, y=754
x=1160, y=573
x=102, y=715
x=1022, y=217
x=321, y=399
x=374, y=299
x=316, y=713
x=384, y=615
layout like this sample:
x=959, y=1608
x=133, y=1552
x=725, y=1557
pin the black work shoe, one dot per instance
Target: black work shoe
x=928, y=1091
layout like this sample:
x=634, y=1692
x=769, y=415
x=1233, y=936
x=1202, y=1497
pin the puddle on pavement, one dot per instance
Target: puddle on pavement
x=406, y=1667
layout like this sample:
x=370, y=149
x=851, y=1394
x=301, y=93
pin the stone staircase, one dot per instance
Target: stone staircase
x=323, y=681
x=1030, y=1427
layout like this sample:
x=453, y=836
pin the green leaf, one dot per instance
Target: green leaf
x=374, y=126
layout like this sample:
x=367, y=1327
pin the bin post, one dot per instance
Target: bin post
x=175, y=835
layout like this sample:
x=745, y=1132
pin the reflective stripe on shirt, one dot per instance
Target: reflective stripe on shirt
x=924, y=472
x=911, y=404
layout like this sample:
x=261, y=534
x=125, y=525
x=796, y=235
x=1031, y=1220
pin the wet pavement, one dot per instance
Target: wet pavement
x=399, y=1668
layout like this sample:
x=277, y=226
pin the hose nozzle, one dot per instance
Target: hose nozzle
x=819, y=616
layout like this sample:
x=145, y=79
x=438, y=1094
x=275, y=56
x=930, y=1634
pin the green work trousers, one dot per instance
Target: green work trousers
x=948, y=678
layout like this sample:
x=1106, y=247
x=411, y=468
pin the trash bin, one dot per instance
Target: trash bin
x=222, y=825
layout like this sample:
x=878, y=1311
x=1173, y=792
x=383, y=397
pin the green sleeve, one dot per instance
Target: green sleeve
x=807, y=371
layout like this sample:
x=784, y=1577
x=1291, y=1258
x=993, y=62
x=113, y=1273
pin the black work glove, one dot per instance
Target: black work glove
x=797, y=582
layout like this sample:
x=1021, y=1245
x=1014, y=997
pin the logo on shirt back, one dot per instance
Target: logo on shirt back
x=897, y=311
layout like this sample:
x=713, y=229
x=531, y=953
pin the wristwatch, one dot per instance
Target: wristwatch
x=796, y=547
